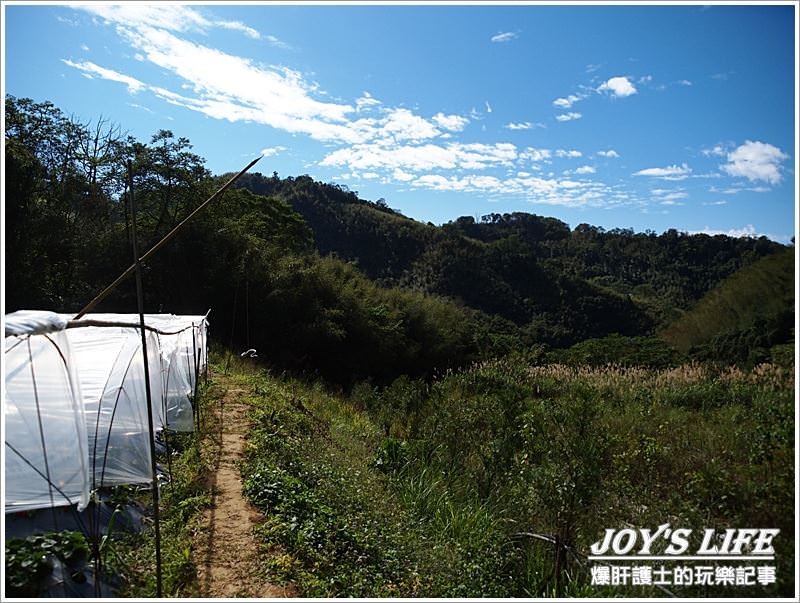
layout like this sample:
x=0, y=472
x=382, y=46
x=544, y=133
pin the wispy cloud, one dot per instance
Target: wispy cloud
x=277, y=42
x=548, y=191
x=365, y=101
x=271, y=151
x=92, y=70
x=423, y=157
x=142, y=107
x=716, y=151
x=523, y=125
x=568, y=116
x=591, y=68
x=454, y=123
x=734, y=190
x=619, y=87
x=684, y=82
x=610, y=153
x=571, y=153
x=756, y=161
x=744, y=231
x=668, y=195
x=535, y=155
x=229, y=87
x=505, y=36
x=567, y=101
x=672, y=172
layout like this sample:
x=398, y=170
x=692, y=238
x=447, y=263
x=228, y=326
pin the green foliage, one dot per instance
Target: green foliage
x=29, y=561
x=744, y=316
x=183, y=501
x=619, y=350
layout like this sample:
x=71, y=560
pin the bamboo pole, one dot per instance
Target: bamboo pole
x=150, y=426
x=132, y=268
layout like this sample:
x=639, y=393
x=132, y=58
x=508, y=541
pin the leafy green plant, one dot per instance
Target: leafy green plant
x=30, y=560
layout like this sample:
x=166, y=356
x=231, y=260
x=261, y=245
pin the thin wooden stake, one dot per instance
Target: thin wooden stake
x=150, y=426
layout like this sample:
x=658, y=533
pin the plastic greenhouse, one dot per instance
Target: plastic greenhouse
x=46, y=458
x=178, y=339
x=110, y=369
x=76, y=407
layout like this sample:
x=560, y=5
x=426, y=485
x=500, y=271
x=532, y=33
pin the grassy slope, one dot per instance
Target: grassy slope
x=350, y=512
x=761, y=289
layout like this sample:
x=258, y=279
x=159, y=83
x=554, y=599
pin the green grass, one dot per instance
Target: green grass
x=451, y=489
x=181, y=505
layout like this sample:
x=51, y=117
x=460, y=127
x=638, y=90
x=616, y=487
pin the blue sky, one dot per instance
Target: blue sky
x=644, y=117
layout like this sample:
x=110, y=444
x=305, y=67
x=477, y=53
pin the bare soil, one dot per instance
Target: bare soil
x=227, y=551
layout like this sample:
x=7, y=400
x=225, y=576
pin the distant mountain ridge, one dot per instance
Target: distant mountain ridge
x=558, y=285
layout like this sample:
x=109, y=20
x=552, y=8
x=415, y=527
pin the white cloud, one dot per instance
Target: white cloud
x=585, y=169
x=672, y=172
x=716, y=150
x=523, y=125
x=610, y=153
x=645, y=79
x=715, y=202
x=733, y=190
x=90, y=70
x=488, y=107
x=506, y=36
x=532, y=154
x=454, y=123
x=618, y=86
x=567, y=102
x=365, y=101
x=549, y=191
x=590, y=68
x=568, y=153
x=239, y=26
x=171, y=17
x=756, y=161
x=276, y=42
x=270, y=151
x=684, y=82
x=423, y=157
x=142, y=107
x=402, y=176
x=84, y=47
x=402, y=124
x=745, y=231
x=568, y=116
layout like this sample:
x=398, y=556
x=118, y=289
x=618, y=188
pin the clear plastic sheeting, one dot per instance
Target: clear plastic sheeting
x=33, y=322
x=46, y=457
x=185, y=352
x=112, y=383
x=183, y=348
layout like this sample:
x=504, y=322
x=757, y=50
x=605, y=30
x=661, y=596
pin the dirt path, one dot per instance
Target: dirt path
x=227, y=551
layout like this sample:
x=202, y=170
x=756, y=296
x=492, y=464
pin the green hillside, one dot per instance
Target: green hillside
x=554, y=284
x=753, y=306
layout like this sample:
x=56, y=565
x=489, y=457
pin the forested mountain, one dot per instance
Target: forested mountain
x=317, y=278
x=557, y=285
x=746, y=314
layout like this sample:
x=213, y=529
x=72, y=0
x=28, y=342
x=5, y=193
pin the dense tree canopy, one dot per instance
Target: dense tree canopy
x=317, y=278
